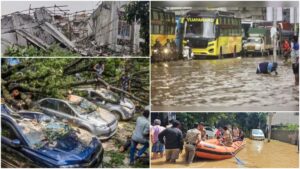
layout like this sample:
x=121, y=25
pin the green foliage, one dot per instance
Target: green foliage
x=245, y=121
x=116, y=159
x=47, y=77
x=288, y=127
x=139, y=11
x=23, y=51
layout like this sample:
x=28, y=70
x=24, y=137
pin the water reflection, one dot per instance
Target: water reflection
x=222, y=83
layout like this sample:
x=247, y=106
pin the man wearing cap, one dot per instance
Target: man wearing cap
x=193, y=137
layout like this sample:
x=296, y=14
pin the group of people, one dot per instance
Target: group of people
x=170, y=141
x=292, y=49
x=289, y=49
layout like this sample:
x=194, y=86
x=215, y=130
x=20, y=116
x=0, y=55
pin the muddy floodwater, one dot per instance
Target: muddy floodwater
x=256, y=154
x=228, y=84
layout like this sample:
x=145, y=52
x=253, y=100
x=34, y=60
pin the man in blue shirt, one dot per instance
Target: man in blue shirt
x=267, y=68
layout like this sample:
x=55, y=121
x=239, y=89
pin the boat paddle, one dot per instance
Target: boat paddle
x=238, y=161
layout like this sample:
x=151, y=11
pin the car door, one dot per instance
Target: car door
x=67, y=112
x=49, y=107
x=13, y=156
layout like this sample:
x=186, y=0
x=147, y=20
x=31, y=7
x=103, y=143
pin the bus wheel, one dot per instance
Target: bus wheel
x=221, y=53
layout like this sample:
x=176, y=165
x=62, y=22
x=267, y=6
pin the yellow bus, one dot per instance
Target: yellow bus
x=211, y=33
x=162, y=26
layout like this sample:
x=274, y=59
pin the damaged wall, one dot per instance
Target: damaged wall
x=112, y=31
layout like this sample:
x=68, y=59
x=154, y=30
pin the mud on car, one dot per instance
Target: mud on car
x=32, y=139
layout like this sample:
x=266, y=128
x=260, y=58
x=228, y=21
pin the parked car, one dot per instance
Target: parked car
x=210, y=132
x=257, y=134
x=5, y=109
x=122, y=108
x=32, y=139
x=84, y=113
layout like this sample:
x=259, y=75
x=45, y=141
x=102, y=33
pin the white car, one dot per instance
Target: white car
x=210, y=132
x=257, y=134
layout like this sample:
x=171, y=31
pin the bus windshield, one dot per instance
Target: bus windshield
x=200, y=29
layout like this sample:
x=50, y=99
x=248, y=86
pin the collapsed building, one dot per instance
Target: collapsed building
x=99, y=32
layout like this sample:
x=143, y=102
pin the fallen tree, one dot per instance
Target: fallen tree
x=39, y=78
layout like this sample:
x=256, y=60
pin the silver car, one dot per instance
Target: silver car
x=210, y=132
x=257, y=134
x=122, y=108
x=83, y=113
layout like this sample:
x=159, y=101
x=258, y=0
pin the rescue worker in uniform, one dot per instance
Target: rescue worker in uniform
x=193, y=137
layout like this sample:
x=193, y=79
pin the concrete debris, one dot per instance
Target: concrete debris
x=58, y=35
x=101, y=32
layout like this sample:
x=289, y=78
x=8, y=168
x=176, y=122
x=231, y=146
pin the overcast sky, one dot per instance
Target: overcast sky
x=13, y=6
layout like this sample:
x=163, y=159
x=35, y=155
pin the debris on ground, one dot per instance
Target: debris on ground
x=99, y=32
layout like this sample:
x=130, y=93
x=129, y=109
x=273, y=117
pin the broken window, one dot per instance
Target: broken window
x=49, y=104
x=123, y=26
x=8, y=131
x=62, y=107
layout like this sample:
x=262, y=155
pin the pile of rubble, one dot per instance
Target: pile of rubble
x=44, y=28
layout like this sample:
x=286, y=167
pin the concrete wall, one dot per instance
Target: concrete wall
x=285, y=118
x=106, y=22
x=291, y=137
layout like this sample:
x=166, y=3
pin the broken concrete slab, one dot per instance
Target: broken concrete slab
x=51, y=29
x=33, y=39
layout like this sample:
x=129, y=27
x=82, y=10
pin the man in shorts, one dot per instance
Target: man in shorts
x=157, y=146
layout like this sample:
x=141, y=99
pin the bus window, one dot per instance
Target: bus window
x=155, y=15
x=161, y=16
x=155, y=29
x=161, y=29
x=168, y=17
x=172, y=30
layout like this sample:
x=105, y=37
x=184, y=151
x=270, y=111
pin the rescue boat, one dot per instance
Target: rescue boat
x=212, y=149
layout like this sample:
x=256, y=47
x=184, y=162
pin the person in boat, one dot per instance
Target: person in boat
x=202, y=131
x=227, y=137
x=235, y=133
x=173, y=140
x=267, y=68
x=158, y=147
x=242, y=135
x=219, y=133
x=193, y=137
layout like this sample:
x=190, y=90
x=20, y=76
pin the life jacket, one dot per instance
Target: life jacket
x=286, y=46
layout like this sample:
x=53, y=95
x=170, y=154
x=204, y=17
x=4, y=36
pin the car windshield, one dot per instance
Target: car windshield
x=200, y=29
x=254, y=40
x=45, y=131
x=257, y=132
x=84, y=106
x=39, y=130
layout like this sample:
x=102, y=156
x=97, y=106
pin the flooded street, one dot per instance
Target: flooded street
x=256, y=154
x=228, y=84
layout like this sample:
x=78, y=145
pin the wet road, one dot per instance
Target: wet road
x=218, y=85
x=256, y=154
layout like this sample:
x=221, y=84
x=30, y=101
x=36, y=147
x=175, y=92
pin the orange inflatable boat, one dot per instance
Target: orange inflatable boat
x=211, y=149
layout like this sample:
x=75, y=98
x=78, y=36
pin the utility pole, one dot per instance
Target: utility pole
x=270, y=116
x=275, y=35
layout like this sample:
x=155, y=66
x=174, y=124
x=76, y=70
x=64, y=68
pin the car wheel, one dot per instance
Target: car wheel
x=117, y=115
